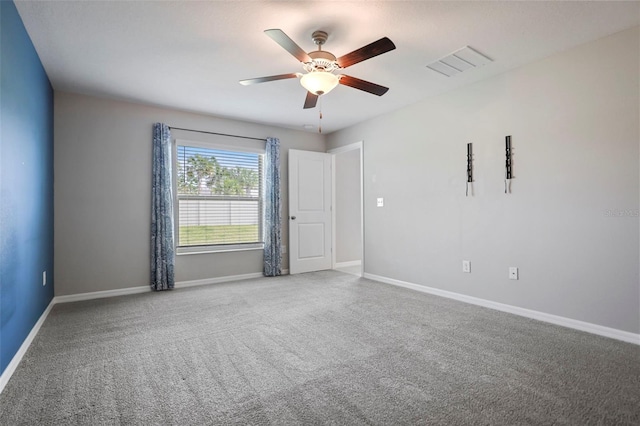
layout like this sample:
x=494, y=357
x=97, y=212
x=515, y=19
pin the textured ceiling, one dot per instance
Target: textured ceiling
x=190, y=55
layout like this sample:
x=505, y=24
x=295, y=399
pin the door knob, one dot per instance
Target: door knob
x=293, y=218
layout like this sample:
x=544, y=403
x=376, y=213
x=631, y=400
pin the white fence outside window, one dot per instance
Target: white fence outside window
x=219, y=212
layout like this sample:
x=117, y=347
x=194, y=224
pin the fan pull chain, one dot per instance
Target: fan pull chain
x=320, y=116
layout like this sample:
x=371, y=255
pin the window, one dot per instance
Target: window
x=219, y=196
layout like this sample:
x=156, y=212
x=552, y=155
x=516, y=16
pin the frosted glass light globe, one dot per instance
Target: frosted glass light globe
x=319, y=82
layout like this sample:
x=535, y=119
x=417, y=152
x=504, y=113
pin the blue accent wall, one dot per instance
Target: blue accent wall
x=26, y=184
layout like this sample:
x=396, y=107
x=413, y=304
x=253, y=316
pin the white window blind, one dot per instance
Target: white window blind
x=219, y=196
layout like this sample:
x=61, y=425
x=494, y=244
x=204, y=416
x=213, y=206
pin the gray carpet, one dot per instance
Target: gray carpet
x=319, y=348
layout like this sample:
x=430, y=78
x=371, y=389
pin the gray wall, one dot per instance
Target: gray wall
x=348, y=244
x=571, y=223
x=102, y=170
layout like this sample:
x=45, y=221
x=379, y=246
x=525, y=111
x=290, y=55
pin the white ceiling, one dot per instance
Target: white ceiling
x=190, y=55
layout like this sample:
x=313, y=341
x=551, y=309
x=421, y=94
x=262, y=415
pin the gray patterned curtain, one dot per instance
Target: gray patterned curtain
x=273, y=211
x=162, y=248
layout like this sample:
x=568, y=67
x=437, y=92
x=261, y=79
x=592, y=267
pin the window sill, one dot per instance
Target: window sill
x=184, y=251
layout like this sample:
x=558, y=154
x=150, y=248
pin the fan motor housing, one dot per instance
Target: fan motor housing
x=322, y=61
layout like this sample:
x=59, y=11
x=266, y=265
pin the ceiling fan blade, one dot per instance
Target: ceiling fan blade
x=367, y=86
x=289, y=45
x=310, y=101
x=270, y=78
x=367, y=52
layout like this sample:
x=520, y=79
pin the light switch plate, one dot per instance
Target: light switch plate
x=513, y=273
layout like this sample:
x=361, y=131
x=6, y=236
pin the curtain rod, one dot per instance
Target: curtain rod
x=214, y=133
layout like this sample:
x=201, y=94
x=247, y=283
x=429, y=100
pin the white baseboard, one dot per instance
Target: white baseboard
x=600, y=330
x=348, y=264
x=143, y=289
x=218, y=280
x=101, y=294
x=11, y=368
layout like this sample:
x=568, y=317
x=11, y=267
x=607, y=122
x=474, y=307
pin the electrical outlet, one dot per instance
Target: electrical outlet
x=380, y=202
x=44, y=278
x=283, y=249
x=466, y=266
x=513, y=273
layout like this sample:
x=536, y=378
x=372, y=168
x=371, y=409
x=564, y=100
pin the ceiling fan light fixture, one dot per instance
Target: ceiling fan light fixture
x=319, y=82
x=321, y=64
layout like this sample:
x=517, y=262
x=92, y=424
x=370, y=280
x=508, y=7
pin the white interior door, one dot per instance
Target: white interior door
x=309, y=211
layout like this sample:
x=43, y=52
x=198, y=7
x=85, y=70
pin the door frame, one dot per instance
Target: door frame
x=350, y=147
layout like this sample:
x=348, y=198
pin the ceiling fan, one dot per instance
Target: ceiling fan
x=319, y=65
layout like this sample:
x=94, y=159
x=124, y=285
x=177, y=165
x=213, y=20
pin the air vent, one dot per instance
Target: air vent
x=459, y=61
